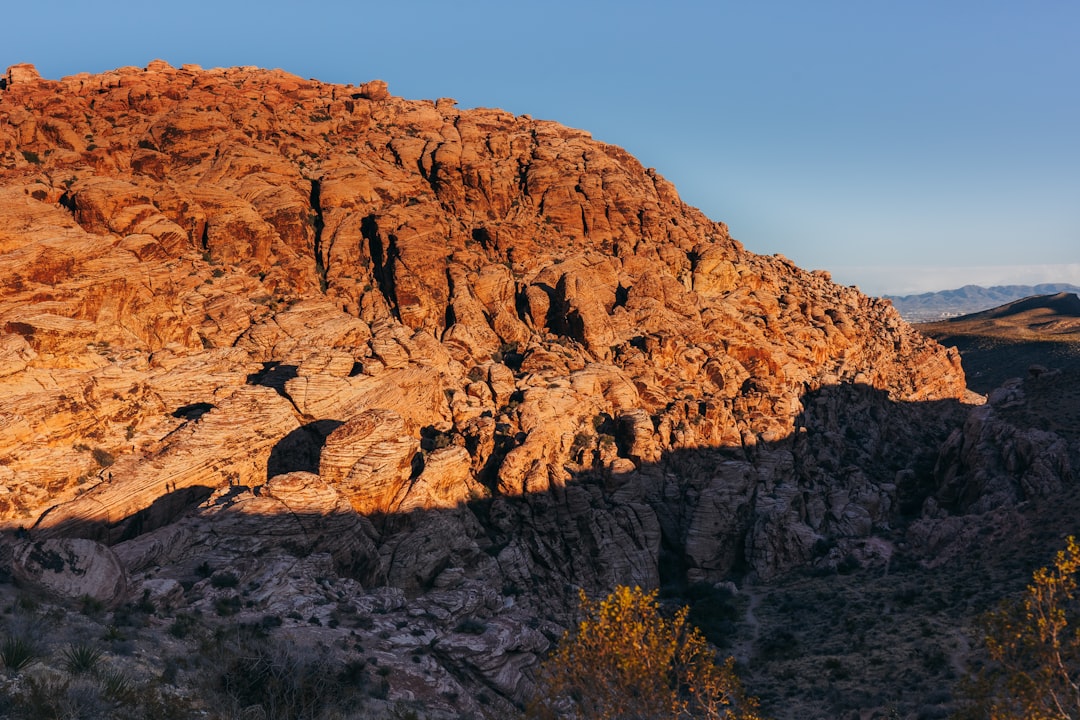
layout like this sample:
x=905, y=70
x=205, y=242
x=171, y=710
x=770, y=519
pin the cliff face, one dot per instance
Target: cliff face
x=486, y=353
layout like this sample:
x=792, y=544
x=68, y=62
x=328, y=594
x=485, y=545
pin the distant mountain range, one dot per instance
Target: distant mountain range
x=928, y=307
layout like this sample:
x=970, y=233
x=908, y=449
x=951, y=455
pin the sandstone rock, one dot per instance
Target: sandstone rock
x=990, y=464
x=70, y=569
x=21, y=73
x=347, y=345
x=295, y=514
x=15, y=354
x=375, y=90
x=370, y=460
x=445, y=482
x=230, y=444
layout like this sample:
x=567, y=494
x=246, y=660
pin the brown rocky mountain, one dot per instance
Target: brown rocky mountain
x=431, y=370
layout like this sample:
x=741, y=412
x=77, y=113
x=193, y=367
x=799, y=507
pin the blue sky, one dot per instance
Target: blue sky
x=903, y=146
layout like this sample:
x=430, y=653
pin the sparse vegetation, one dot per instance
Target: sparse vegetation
x=471, y=626
x=625, y=659
x=17, y=652
x=285, y=682
x=224, y=580
x=183, y=625
x=102, y=457
x=81, y=658
x=582, y=441
x=1034, y=646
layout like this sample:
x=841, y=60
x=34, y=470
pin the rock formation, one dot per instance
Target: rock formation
x=462, y=361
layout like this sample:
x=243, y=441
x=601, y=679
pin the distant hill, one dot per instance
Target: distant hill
x=1005, y=341
x=928, y=307
x=1041, y=317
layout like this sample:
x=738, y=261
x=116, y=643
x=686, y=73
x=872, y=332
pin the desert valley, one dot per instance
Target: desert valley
x=317, y=402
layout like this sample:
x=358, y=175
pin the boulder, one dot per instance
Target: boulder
x=71, y=569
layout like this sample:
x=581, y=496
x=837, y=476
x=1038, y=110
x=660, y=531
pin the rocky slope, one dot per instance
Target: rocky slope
x=419, y=365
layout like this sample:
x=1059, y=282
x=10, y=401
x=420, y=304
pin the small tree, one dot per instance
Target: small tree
x=1034, y=646
x=625, y=660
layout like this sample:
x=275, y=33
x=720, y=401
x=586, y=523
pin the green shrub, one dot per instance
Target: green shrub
x=226, y=606
x=224, y=580
x=471, y=626
x=582, y=441
x=16, y=653
x=182, y=626
x=81, y=658
x=103, y=457
x=90, y=606
x=117, y=686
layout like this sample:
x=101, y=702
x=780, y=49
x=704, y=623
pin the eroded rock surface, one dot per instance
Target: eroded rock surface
x=71, y=569
x=354, y=346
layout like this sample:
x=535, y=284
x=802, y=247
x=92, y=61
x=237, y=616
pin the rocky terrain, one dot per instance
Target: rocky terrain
x=389, y=381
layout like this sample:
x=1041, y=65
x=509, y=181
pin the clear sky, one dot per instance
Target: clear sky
x=904, y=146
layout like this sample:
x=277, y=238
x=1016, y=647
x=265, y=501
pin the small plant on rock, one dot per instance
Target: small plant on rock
x=224, y=580
x=103, y=457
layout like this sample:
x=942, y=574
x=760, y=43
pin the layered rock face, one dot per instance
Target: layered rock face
x=496, y=357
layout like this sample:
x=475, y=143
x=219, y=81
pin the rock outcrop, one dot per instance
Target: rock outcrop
x=465, y=359
x=71, y=569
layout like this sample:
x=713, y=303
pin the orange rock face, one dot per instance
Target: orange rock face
x=208, y=275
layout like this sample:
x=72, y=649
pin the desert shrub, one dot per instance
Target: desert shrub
x=16, y=653
x=182, y=626
x=1034, y=648
x=102, y=457
x=111, y=695
x=91, y=606
x=117, y=685
x=283, y=680
x=145, y=604
x=268, y=622
x=780, y=644
x=471, y=626
x=54, y=696
x=224, y=580
x=226, y=606
x=81, y=658
x=713, y=611
x=582, y=441
x=626, y=660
